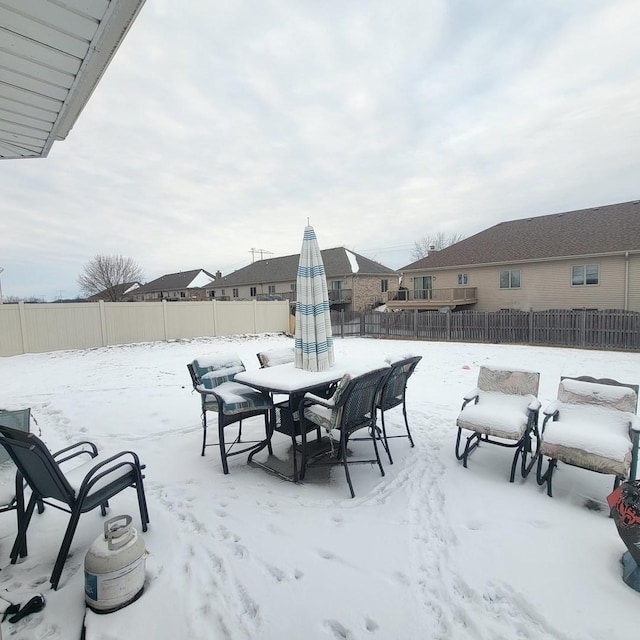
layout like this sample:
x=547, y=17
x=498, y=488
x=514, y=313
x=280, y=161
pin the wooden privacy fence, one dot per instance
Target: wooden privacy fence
x=610, y=329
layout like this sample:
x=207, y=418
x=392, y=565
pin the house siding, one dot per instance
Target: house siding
x=367, y=291
x=545, y=285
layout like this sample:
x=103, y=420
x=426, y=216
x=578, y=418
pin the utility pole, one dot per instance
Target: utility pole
x=262, y=253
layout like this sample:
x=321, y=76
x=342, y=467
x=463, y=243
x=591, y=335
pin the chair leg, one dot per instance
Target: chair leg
x=223, y=447
x=375, y=446
x=142, y=503
x=406, y=422
x=20, y=543
x=384, y=436
x=267, y=418
x=343, y=454
x=204, y=430
x=472, y=442
x=64, y=548
x=541, y=478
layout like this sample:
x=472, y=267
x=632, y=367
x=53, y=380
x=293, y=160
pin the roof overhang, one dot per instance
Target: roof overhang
x=52, y=56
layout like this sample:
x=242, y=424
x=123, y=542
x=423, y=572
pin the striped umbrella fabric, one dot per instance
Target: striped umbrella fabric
x=313, y=338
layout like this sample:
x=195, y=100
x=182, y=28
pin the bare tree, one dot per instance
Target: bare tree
x=434, y=242
x=108, y=275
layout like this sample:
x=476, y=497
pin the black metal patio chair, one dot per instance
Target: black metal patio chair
x=77, y=491
x=213, y=378
x=351, y=408
x=393, y=394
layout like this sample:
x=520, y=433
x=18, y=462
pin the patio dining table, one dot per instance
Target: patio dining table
x=294, y=383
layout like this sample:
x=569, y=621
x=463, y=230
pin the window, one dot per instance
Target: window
x=336, y=285
x=293, y=287
x=463, y=278
x=212, y=294
x=585, y=274
x=235, y=293
x=272, y=289
x=183, y=294
x=384, y=286
x=222, y=292
x=252, y=292
x=510, y=279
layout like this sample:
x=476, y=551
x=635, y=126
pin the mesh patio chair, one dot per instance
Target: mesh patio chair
x=77, y=491
x=592, y=425
x=502, y=410
x=213, y=378
x=393, y=395
x=351, y=408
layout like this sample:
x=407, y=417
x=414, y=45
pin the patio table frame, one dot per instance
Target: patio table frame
x=287, y=380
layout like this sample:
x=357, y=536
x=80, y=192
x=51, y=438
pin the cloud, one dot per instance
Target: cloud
x=218, y=128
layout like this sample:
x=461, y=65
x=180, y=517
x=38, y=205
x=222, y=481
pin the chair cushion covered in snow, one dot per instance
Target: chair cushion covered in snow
x=593, y=425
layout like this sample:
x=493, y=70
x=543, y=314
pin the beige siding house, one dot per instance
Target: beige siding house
x=354, y=282
x=579, y=259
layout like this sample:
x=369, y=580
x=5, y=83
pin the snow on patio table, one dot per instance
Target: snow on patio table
x=430, y=550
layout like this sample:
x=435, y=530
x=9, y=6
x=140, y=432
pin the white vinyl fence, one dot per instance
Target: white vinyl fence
x=37, y=328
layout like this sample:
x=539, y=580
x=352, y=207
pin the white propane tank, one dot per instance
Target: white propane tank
x=114, y=567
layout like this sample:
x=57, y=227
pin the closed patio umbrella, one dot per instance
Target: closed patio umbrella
x=313, y=338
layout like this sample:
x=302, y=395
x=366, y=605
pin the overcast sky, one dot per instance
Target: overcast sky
x=222, y=126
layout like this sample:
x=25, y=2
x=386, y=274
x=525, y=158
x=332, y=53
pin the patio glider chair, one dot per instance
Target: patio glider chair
x=592, y=425
x=77, y=491
x=351, y=408
x=393, y=395
x=213, y=378
x=274, y=357
x=502, y=410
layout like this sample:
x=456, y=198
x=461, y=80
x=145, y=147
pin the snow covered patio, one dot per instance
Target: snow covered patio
x=431, y=550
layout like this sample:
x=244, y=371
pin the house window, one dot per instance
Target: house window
x=293, y=287
x=212, y=293
x=510, y=279
x=253, y=292
x=336, y=285
x=585, y=274
x=272, y=289
x=384, y=286
x=463, y=278
x=235, y=293
x=222, y=292
x=183, y=294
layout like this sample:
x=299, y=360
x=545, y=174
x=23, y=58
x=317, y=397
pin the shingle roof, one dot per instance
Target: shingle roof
x=173, y=281
x=607, y=229
x=284, y=269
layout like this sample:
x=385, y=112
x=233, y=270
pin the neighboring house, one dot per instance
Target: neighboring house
x=184, y=285
x=579, y=259
x=354, y=282
x=121, y=293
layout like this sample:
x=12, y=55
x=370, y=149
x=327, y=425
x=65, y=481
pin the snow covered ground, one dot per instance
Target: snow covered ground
x=430, y=550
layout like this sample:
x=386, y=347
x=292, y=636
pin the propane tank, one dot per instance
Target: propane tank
x=114, y=567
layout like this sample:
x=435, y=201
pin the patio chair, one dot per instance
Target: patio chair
x=502, y=410
x=592, y=425
x=393, y=394
x=77, y=491
x=213, y=378
x=12, y=494
x=274, y=357
x=351, y=408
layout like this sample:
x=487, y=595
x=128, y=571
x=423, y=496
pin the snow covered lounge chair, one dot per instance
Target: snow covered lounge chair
x=592, y=425
x=505, y=406
x=213, y=378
